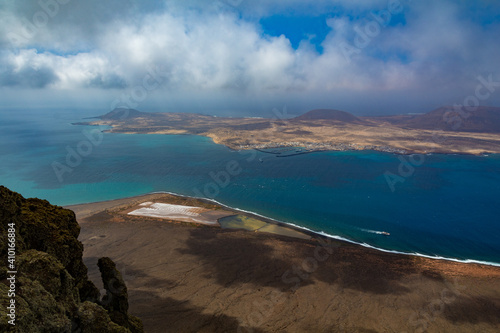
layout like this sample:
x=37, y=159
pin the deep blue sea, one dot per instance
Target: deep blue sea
x=448, y=207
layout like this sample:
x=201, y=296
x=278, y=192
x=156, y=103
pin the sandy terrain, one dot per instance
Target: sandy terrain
x=367, y=133
x=192, y=278
x=179, y=213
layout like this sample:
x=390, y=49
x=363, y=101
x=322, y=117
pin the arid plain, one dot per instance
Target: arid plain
x=187, y=277
x=444, y=130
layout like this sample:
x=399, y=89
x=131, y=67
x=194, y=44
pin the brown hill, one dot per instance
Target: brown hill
x=484, y=119
x=329, y=114
x=122, y=113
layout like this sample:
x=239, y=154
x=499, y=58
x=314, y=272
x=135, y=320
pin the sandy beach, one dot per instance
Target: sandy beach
x=193, y=277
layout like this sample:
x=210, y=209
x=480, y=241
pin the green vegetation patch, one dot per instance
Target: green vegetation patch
x=241, y=222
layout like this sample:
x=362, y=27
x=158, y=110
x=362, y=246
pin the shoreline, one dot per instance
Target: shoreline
x=199, y=278
x=390, y=150
x=239, y=147
x=115, y=203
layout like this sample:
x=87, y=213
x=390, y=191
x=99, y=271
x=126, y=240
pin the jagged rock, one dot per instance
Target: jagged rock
x=50, y=273
x=93, y=318
x=89, y=292
x=43, y=227
x=38, y=310
x=116, y=298
x=53, y=292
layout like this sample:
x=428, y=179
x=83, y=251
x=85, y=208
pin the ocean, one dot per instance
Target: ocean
x=439, y=205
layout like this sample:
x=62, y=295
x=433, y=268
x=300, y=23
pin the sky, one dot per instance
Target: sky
x=268, y=58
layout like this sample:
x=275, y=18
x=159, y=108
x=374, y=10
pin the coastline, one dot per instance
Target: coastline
x=320, y=146
x=85, y=210
x=199, y=278
x=340, y=148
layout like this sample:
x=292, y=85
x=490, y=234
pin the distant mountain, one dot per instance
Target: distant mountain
x=329, y=114
x=122, y=113
x=482, y=119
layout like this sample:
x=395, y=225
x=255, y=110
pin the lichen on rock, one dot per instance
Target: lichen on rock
x=53, y=292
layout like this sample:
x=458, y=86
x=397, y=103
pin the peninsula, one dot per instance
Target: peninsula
x=444, y=130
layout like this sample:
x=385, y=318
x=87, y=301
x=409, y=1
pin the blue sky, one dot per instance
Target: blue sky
x=246, y=57
x=313, y=28
x=297, y=28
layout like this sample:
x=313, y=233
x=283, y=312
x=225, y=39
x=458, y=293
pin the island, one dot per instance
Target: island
x=444, y=130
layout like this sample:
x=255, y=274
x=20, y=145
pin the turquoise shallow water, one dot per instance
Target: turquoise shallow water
x=449, y=207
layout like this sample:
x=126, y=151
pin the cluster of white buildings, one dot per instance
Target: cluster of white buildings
x=314, y=146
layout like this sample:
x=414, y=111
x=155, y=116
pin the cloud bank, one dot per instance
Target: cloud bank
x=378, y=56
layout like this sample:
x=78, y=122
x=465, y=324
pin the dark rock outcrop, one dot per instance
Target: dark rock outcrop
x=53, y=293
x=116, y=299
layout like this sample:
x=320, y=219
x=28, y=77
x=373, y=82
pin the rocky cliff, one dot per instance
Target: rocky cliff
x=51, y=287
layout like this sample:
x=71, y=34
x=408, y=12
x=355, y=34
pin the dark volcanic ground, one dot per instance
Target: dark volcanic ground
x=184, y=278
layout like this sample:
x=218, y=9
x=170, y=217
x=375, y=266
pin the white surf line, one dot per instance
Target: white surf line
x=322, y=233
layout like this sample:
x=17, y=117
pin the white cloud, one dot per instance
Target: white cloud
x=207, y=50
x=66, y=72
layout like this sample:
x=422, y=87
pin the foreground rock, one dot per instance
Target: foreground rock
x=52, y=290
